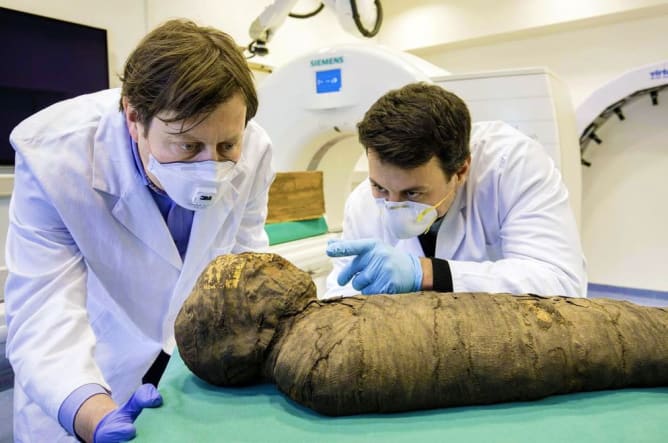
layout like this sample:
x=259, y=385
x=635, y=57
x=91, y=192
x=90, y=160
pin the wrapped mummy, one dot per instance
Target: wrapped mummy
x=255, y=318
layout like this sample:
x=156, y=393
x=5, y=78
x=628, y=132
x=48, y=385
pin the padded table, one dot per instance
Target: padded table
x=194, y=411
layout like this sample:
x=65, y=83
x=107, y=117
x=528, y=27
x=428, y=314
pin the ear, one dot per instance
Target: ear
x=131, y=119
x=463, y=172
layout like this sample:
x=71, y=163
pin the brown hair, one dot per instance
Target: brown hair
x=188, y=70
x=408, y=126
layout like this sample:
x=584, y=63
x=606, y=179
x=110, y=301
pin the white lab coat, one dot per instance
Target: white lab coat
x=95, y=279
x=510, y=228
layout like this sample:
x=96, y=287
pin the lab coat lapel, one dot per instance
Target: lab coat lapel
x=205, y=232
x=452, y=230
x=206, y=226
x=138, y=212
x=115, y=174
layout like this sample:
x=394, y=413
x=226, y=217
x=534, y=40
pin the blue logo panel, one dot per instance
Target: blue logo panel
x=328, y=81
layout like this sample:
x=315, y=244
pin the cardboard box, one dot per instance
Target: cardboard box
x=296, y=196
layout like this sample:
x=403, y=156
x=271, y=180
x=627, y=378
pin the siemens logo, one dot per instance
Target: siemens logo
x=658, y=74
x=327, y=61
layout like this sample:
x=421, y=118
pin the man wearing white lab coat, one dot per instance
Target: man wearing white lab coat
x=454, y=208
x=114, y=214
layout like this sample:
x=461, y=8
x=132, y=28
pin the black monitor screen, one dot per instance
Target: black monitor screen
x=44, y=61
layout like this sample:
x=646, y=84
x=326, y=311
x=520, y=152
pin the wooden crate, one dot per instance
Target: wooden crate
x=296, y=196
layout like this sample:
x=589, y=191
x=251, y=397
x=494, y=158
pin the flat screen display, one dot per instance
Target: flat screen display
x=45, y=60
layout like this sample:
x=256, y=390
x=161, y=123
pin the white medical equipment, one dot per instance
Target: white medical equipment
x=362, y=17
x=642, y=83
x=623, y=138
x=310, y=108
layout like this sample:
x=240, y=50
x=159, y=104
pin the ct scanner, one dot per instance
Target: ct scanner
x=645, y=82
x=310, y=108
x=623, y=137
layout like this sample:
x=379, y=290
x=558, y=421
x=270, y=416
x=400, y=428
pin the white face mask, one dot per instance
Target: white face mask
x=194, y=185
x=408, y=219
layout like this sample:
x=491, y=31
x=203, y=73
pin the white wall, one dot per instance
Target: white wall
x=432, y=23
x=584, y=58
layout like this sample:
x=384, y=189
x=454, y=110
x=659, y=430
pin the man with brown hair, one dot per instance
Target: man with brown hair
x=454, y=207
x=115, y=212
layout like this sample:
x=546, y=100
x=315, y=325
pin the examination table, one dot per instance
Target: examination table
x=194, y=411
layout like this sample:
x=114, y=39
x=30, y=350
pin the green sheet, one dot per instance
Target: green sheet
x=194, y=411
x=295, y=230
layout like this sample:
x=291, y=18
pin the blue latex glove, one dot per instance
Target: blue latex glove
x=118, y=425
x=378, y=267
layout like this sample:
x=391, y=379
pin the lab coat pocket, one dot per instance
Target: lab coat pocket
x=122, y=353
x=104, y=326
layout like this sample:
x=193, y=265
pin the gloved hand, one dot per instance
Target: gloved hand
x=118, y=425
x=378, y=267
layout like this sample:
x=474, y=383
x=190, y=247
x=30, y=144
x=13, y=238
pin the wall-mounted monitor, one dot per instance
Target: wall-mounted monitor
x=45, y=60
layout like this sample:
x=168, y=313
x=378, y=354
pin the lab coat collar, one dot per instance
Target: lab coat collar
x=208, y=222
x=114, y=171
x=452, y=230
x=205, y=242
x=115, y=174
x=450, y=233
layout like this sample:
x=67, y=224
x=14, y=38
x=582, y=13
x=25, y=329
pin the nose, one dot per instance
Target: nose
x=394, y=197
x=233, y=154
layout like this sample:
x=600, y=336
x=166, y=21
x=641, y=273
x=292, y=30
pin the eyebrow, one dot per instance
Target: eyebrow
x=184, y=135
x=413, y=189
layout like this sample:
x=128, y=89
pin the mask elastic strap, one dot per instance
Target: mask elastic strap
x=424, y=211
